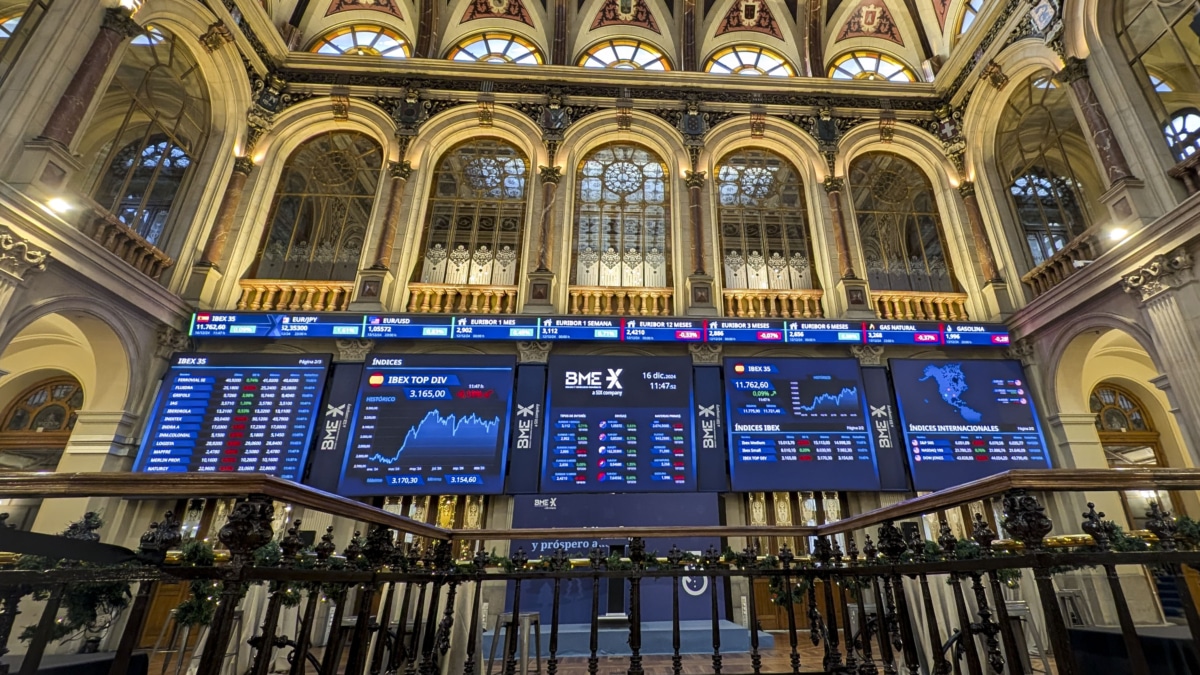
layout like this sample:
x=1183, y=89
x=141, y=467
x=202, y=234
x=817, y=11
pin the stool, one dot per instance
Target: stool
x=528, y=620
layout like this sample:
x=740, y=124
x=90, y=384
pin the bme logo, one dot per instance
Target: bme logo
x=335, y=419
x=591, y=380
x=550, y=504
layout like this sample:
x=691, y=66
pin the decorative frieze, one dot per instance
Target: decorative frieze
x=1161, y=273
x=18, y=256
x=533, y=351
x=354, y=349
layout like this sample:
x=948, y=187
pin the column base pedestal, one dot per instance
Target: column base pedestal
x=202, y=285
x=700, y=296
x=368, y=292
x=541, y=293
x=856, y=298
x=1129, y=204
x=45, y=169
x=997, y=301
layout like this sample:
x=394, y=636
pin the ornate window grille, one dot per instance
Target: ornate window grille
x=623, y=54
x=622, y=219
x=321, y=209
x=496, y=48
x=899, y=225
x=870, y=66
x=763, y=222
x=749, y=60
x=476, y=216
x=363, y=40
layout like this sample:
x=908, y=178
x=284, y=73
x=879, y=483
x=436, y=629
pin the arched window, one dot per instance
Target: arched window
x=362, y=40
x=321, y=209
x=1162, y=49
x=623, y=54
x=1043, y=154
x=763, y=222
x=970, y=10
x=622, y=219
x=18, y=21
x=38, y=423
x=1183, y=133
x=8, y=26
x=476, y=216
x=749, y=60
x=898, y=225
x=496, y=48
x=1130, y=442
x=870, y=66
x=149, y=129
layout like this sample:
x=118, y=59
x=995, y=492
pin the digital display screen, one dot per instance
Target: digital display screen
x=619, y=424
x=235, y=413
x=430, y=424
x=798, y=424
x=589, y=329
x=966, y=419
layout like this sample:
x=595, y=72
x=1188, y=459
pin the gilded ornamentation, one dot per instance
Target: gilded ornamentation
x=625, y=13
x=758, y=508
x=871, y=19
x=783, y=507
x=750, y=15
x=994, y=75
x=513, y=10
x=217, y=36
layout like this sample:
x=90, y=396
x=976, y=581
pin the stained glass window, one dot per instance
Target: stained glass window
x=8, y=26
x=622, y=219
x=321, y=209
x=899, y=225
x=1183, y=133
x=970, y=12
x=749, y=60
x=38, y=423
x=763, y=222
x=363, y=40
x=150, y=126
x=622, y=54
x=1043, y=152
x=870, y=66
x=476, y=216
x=496, y=48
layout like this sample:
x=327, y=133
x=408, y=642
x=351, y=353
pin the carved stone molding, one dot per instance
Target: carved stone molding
x=354, y=349
x=402, y=170
x=867, y=355
x=1023, y=351
x=217, y=36
x=18, y=256
x=170, y=340
x=119, y=20
x=533, y=352
x=1161, y=273
x=1074, y=68
x=694, y=179
x=550, y=174
x=705, y=353
x=243, y=165
x=834, y=183
x=994, y=75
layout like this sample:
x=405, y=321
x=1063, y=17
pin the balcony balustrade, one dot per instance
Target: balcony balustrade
x=124, y=242
x=914, y=306
x=620, y=301
x=461, y=299
x=862, y=589
x=1078, y=253
x=777, y=304
x=294, y=296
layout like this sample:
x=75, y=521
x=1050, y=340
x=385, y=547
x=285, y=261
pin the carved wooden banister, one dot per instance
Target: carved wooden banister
x=461, y=299
x=773, y=303
x=1078, y=253
x=915, y=306
x=124, y=241
x=620, y=301
x=295, y=296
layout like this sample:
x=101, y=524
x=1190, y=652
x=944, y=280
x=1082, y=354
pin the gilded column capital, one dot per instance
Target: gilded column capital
x=694, y=179
x=867, y=355
x=966, y=188
x=1074, y=68
x=834, y=183
x=243, y=165
x=1161, y=273
x=550, y=174
x=120, y=21
x=18, y=256
x=401, y=170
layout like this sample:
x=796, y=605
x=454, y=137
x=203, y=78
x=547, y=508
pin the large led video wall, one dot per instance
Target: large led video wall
x=429, y=424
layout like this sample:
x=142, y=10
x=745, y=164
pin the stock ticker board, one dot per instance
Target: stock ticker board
x=592, y=329
x=429, y=424
x=619, y=424
x=798, y=424
x=234, y=413
x=965, y=419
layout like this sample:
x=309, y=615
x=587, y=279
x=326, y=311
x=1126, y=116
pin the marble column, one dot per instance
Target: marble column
x=400, y=172
x=689, y=36
x=550, y=177
x=1170, y=303
x=73, y=105
x=214, y=249
x=1075, y=74
x=833, y=189
x=695, y=186
x=427, y=29
x=558, y=52
x=987, y=259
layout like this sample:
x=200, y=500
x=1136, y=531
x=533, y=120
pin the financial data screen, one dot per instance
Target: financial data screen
x=798, y=424
x=619, y=424
x=430, y=424
x=235, y=413
x=966, y=419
